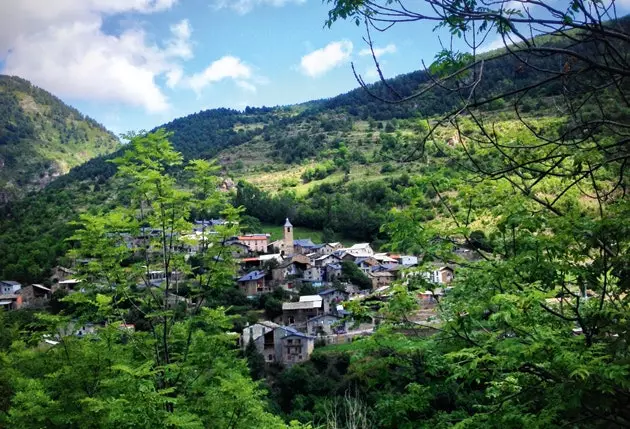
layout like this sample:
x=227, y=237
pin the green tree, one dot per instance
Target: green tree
x=182, y=371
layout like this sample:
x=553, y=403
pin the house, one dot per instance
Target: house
x=9, y=287
x=313, y=274
x=60, y=273
x=238, y=249
x=255, y=242
x=326, y=324
x=296, y=347
x=331, y=298
x=383, y=258
x=289, y=269
x=281, y=344
x=408, y=260
x=10, y=302
x=381, y=278
x=333, y=272
x=254, y=331
x=297, y=313
x=207, y=225
x=69, y=285
x=329, y=248
x=324, y=260
x=304, y=246
x=253, y=283
x=360, y=249
x=35, y=295
x=442, y=275
x=365, y=264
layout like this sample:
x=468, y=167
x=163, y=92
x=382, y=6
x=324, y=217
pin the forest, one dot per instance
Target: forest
x=517, y=156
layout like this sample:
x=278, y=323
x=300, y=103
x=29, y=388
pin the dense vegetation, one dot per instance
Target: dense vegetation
x=534, y=332
x=42, y=138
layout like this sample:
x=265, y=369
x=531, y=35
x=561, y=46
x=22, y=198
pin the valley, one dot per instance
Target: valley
x=445, y=248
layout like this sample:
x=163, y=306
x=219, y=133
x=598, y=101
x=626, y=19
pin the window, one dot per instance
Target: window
x=289, y=341
x=289, y=229
x=297, y=341
x=300, y=357
x=270, y=358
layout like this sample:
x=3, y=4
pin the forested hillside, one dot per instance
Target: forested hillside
x=336, y=164
x=42, y=138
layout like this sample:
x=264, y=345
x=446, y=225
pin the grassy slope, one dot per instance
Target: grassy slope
x=58, y=139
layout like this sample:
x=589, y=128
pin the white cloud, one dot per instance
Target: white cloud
x=325, y=59
x=227, y=67
x=245, y=6
x=378, y=52
x=61, y=46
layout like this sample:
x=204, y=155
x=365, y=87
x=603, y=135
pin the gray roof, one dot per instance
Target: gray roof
x=304, y=305
x=287, y=223
x=254, y=275
x=10, y=283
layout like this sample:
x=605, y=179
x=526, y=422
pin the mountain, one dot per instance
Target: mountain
x=331, y=165
x=42, y=138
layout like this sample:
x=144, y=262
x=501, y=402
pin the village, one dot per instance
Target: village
x=331, y=273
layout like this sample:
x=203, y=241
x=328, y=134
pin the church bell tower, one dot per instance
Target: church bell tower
x=287, y=240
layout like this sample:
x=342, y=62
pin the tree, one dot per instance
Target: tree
x=529, y=325
x=182, y=371
x=351, y=273
x=255, y=360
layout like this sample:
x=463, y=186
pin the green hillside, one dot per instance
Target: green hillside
x=338, y=164
x=42, y=138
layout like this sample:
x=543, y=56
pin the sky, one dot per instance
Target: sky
x=136, y=64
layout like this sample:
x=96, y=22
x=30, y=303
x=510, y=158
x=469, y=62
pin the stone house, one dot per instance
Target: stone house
x=298, y=313
x=331, y=298
x=9, y=287
x=360, y=250
x=381, y=278
x=326, y=324
x=253, y=283
x=35, y=295
x=60, y=273
x=10, y=302
x=255, y=242
x=333, y=272
x=281, y=344
x=329, y=248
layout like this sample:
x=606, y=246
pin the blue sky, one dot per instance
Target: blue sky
x=135, y=64
x=139, y=63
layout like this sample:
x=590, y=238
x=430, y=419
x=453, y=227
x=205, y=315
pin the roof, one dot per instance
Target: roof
x=308, y=298
x=276, y=256
x=334, y=266
x=268, y=324
x=253, y=237
x=254, y=275
x=329, y=291
x=40, y=287
x=69, y=282
x=10, y=282
x=6, y=302
x=294, y=332
x=321, y=258
x=304, y=305
x=382, y=274
x=335, y=244
x=287, y=223
x=304, y=242
x=360, y=246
